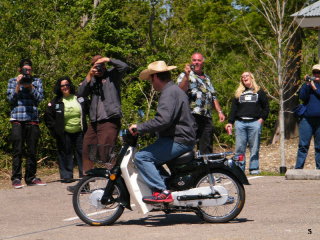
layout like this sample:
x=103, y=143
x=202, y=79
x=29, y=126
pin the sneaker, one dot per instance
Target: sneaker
x=16, y=183
x=71, y=188
x=86, y=189
x=163, y=197
x=254, y=172
x=67, y=180
x=36, y=182
x=155, y=194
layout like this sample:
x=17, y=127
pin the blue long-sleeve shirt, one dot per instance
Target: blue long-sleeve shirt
x=24, y=104
x=311, y=98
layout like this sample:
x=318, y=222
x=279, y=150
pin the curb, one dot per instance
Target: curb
x=303, y=174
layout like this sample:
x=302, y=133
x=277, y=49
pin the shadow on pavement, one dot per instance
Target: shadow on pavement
x=169, y=220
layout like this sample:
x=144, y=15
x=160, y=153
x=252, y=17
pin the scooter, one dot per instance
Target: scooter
x=209, y=185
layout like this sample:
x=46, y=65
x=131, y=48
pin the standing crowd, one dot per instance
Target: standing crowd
x=183, y=119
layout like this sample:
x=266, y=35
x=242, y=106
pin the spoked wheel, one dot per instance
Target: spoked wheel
x=234, y=203
x=87, y=202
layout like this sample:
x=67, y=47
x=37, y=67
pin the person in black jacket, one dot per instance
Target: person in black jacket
x=250, y=108
x=65, y=117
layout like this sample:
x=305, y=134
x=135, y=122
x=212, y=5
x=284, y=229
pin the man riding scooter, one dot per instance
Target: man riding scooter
x=175, y=127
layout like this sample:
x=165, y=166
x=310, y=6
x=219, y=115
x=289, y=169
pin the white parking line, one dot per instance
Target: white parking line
x=70, y=219
x=249, y=178
x=91, y=214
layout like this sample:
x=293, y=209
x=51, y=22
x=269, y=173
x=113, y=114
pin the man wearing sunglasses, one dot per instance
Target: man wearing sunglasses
x=309, y=123
x=24, y=93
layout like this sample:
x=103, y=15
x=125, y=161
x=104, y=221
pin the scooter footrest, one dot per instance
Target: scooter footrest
x=198, y=197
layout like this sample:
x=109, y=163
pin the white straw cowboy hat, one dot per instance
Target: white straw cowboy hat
x=316, y=67
x=155, y=67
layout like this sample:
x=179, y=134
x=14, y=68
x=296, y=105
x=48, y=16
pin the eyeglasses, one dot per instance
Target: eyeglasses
x=65, y=85
x=243, y=76
x=316, y=72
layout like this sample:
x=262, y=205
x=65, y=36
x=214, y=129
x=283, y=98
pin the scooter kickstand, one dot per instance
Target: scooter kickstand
x=210, y=177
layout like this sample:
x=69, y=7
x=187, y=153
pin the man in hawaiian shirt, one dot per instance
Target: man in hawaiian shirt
x=202, y=100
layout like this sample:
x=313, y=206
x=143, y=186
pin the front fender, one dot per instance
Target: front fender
x=233, y=168
x=125, y=196
x=124, y=193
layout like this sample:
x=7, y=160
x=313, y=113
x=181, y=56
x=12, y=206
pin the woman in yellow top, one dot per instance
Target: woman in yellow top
x=65, y=118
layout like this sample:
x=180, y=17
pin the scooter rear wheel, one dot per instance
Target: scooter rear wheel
x=87, y=204
x=233, y=206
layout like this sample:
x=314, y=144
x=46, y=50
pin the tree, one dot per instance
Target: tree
x=50, y=33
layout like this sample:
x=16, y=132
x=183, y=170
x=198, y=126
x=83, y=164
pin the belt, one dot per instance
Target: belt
x=25, y=122
x=248, y=120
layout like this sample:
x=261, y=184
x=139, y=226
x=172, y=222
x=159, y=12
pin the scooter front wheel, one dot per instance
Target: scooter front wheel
x=87, y=202
x=235, y=201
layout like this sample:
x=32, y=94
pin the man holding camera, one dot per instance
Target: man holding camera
x=24, y=93
x=202, y=99
x=103, y=87
x=309, y=123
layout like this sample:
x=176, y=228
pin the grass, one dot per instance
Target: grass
x=47, y=174
x=266, y=173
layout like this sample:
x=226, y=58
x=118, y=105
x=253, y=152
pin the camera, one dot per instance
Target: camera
x=192, y=66
x=26, y=79
x=99, y=67
x=309, y=79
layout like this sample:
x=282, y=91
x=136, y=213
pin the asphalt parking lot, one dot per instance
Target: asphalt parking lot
x=275, y=208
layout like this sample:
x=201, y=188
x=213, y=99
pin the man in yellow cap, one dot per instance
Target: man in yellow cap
x=174, y=124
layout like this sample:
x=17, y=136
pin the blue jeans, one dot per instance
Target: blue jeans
x=308, y=127
x=248, y=133
x=149, y=160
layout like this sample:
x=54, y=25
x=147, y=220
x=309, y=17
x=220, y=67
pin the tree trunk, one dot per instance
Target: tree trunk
x=151, y=19
x=292, y=78
x=281, y=101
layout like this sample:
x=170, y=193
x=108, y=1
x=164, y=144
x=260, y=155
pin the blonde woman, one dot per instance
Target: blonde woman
x=250, y=108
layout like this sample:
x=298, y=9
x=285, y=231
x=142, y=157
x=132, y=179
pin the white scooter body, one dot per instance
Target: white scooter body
x=137, y=188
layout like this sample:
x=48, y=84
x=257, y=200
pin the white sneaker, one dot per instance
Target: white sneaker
x=254, y=172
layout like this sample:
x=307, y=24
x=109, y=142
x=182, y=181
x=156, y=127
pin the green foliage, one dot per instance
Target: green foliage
x=61, y=36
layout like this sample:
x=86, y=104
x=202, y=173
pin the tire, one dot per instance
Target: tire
x=87, y=205
x=231, y=209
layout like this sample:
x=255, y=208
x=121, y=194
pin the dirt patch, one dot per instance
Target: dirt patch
x=269, y=162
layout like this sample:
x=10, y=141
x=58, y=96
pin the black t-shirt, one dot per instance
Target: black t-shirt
x=249, y=105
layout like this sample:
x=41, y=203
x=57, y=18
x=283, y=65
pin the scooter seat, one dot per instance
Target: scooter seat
x=182, y=159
